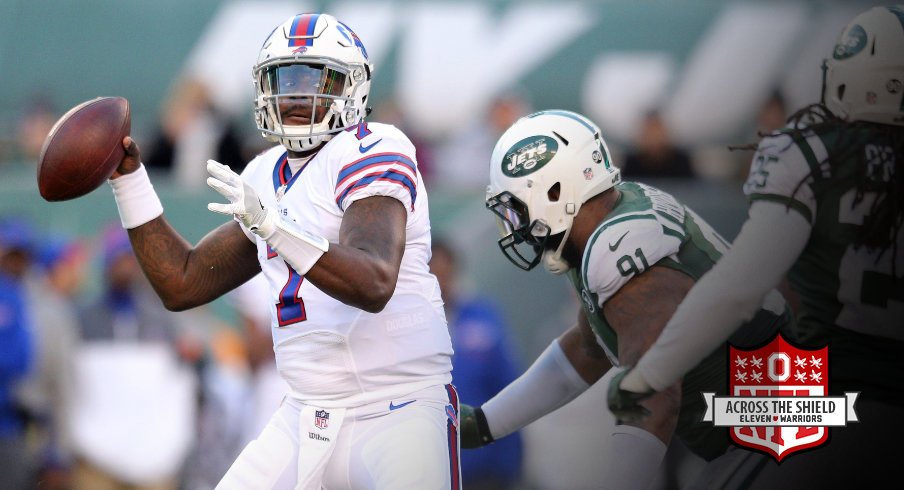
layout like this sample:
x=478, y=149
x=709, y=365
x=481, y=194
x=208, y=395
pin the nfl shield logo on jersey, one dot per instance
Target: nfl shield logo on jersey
x=321, y=419
x=778, y=400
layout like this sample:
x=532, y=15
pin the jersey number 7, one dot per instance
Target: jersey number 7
x=290, y=308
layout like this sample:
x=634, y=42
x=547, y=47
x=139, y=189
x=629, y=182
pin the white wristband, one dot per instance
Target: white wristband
x=548, y=384
x=299, y=248
x=135, y=198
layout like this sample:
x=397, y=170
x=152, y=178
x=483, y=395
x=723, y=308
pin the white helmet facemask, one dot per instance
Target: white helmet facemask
x=543, y=169
x=311, y=81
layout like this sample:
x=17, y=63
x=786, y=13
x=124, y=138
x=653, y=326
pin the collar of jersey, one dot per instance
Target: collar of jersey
x=282, y=173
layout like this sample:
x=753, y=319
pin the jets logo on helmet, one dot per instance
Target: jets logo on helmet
x=312, y=80
x=853, y=42
x=529, y=155
x=543, y=169
x=866, y=66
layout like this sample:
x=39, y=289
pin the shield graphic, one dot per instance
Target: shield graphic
x=779, y=369
x=321, y=419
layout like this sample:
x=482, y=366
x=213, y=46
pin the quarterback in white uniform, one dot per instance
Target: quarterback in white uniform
x=337, y=219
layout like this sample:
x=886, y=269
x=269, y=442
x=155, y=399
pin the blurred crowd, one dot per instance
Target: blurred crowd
x=97, y=390
x=190, y=128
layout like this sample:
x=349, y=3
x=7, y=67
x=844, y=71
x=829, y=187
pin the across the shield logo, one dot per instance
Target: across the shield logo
x=780, y=369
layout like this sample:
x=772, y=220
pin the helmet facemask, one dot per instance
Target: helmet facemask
x=310, y=82
x=522, y=241
x=543, y=169
x=302, y=102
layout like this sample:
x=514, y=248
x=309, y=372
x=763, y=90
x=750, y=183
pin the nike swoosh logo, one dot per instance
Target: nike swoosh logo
x=365, y=149
x=396, y=407
x=615, y=246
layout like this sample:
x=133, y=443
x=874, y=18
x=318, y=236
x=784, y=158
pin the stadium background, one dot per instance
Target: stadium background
x=707, y=65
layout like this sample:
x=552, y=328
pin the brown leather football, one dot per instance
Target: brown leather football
x=83, y=148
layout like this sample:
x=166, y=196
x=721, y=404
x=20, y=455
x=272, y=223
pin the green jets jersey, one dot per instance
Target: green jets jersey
x=649, y=227
x=849, y=296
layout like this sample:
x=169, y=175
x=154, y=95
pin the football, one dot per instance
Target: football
x=83, y=148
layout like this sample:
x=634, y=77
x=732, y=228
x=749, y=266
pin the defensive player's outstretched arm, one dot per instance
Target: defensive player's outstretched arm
x=570, y=364
x=183, y=276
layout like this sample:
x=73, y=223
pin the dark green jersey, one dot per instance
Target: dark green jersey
x=850, y=298
x=649, y=227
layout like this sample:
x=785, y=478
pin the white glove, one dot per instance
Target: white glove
x=243, y=200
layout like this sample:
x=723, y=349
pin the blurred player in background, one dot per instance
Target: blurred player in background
x=127, y=368
x=16, y=351
x=631, y=252
x=337, y=218
x=483, y=364
x=52, y=289
x=827, y=206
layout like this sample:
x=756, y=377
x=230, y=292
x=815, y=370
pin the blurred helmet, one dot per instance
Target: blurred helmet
x=543, y=169
x=864, y=79
x=311, y=79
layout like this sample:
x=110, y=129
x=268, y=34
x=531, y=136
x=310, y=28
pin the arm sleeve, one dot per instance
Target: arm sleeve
x=729, y=294
x=548, y=384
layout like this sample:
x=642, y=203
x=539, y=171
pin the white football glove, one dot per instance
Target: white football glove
x=243, y=200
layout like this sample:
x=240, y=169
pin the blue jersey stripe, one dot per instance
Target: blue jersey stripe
x=365, y=162
x=389, y=175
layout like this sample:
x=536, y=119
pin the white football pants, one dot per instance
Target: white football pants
x=407, y=443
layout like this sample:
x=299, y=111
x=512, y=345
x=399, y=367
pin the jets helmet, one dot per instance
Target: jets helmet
x=543, y=169
x=311, y=80
x=864, y=78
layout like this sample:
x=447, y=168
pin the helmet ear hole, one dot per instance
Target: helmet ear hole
x=841, y=91
x=554, y=192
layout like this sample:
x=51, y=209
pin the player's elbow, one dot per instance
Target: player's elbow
x=377, y=300
x=175, y=306
x=177, y=302
x=374, y=307
x=378, y=293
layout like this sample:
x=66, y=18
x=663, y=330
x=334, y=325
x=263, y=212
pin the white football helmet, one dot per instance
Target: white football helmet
x=864, y=79
x=543, y=169
x=311, y=79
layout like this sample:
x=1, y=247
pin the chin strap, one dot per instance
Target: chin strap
x=553, y=261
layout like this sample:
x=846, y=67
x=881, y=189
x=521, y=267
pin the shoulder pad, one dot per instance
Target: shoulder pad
x=377, y=159
x=782, y=170
x=624, y=248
